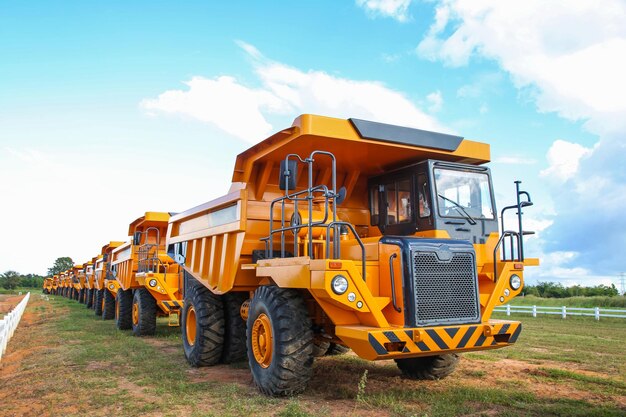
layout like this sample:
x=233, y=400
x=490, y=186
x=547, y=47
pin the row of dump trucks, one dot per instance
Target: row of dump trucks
x=335, y=235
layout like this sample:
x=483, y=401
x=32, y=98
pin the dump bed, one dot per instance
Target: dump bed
x=214, y=240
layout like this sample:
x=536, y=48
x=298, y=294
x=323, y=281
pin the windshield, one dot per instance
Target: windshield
x=463, y=194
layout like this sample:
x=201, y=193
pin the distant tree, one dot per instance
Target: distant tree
x=10, y=280
x=60, y=265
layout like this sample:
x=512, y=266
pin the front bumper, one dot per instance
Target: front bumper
x=396, y=343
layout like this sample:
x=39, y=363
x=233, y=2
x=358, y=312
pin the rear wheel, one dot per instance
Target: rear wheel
x=123, y=309
x=429, y=367
x=202, y=326
x=280, y=341
x=98, y=304
x=144, y=313
x=234, y=328
x=108, y=305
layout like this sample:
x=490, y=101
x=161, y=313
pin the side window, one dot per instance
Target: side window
x=404, y=201
x=392, y=203
x=422, y=191
x=374, y=199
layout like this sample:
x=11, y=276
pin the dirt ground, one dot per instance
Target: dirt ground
x=332, y=391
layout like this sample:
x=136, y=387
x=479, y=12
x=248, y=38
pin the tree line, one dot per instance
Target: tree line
x=557, y=290
x=11, y=280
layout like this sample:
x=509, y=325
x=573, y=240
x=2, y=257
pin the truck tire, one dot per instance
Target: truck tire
x=202, y=326
x=108, y=308
x=124, y=309
x=336, y=349
x=98, y=302
x=89, y=299
x=428, y=367
x=81, y=296
x=320, y=346
x=280, y=341
x=144, y=313
x=234, y=328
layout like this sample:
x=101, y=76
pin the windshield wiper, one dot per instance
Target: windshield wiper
x=460, y=209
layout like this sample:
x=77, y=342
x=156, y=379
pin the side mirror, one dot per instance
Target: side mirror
x=137, y=238
x=341, y=195
x=288, y=171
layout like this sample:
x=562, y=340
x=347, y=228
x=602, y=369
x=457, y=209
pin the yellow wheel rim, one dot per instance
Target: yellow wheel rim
x=262, y=340
x=135, y=314
x=190, y=326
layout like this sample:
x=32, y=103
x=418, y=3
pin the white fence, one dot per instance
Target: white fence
x=9, y=323
x=563, y=311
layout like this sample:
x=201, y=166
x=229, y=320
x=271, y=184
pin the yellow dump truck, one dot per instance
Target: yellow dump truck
x=105, y=298
x=78, y=282
x=55, y=284
x=47, y=285
x=89, y=282
x=147, y=281
x=380, y=238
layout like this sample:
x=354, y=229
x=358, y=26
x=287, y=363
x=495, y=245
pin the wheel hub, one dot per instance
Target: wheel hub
x=190, y=326
x=262, y=340
x=135, y=314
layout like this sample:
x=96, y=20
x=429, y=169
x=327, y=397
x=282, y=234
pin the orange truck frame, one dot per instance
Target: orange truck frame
x=147, y=281
x=380, y=238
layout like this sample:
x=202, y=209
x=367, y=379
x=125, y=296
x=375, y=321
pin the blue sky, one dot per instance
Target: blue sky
x=110, y=109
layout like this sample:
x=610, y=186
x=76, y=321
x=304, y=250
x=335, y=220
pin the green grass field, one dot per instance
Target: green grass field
x=71, y=363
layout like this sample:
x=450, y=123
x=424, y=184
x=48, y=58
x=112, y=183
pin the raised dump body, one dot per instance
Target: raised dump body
x=351, y=233
x=148, y=279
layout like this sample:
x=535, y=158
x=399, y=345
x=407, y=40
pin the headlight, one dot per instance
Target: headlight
x=515, y=282
x=152, y=283
x=339, y=284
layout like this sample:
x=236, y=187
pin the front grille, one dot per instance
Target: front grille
x=446, y=291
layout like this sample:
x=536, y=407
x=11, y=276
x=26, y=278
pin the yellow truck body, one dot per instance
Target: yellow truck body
x=381, y=238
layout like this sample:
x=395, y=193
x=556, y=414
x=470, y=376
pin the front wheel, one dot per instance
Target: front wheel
x=123, y=309
x=144, y=313
x=89, y=300
x=98, y=304
x=429, y=367
x=202, y=326
x=280, y=341
x=108, y=305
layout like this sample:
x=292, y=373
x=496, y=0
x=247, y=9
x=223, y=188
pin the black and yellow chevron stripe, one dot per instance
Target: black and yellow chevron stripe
x=438, y=339
x=173, y=305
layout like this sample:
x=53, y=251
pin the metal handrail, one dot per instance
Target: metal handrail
x=510, y=234
x=295, y=197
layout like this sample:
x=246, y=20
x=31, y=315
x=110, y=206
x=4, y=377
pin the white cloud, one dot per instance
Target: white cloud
x=221, y=101
x=396, y=9
x=224, y=102
x=569, y=56
x=436, y=101
x=572, y=51
x=564, y=159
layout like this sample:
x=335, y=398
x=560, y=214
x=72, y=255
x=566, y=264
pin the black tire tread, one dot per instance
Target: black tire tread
x=337, y=349
x=108, y=313
x=124, y=299
x=234, y=328
x=209, y=309
x=429, y=367
x=147, y=313
x=97, y=307
x=292, y=361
